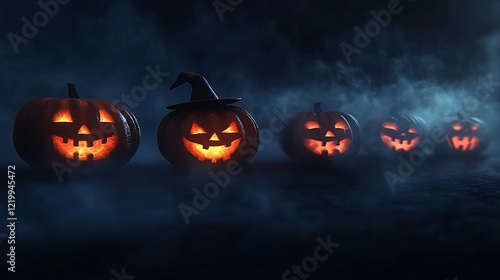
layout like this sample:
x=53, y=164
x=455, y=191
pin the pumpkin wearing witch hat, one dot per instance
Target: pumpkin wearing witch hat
x=206, y=130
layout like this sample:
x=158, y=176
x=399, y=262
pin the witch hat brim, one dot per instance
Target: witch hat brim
x=200, y=104
x=202, y=95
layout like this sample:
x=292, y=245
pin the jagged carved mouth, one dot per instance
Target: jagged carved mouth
x=327, y=147
x=214, y=152
x=399, y=144
x=463, y=143
x=82, y=148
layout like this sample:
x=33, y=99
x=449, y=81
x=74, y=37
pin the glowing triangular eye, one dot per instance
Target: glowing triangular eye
x=412, y=130
x=232, y=128
x=196, y=129
x=342, y=125
x=311, y=125
x=474, y=127
x=457, y=126
x=105, y=116
x=62, y=116
x=390, y=126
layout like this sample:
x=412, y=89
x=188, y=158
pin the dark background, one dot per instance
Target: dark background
x=442, y=222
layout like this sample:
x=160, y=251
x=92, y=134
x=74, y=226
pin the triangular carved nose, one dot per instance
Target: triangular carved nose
x=83, y=130
x=329, y=134
x=214, y=137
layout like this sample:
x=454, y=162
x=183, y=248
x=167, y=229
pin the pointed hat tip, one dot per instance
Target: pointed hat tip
x=202, y=94
x=182, y=78
x=200, y=88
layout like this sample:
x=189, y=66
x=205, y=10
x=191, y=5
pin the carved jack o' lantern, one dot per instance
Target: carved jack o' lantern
x=467, y=136
x=399, y=135
x=213, y=139
x=318, y=134
x=72, y=138
x=394, y=133
x=206, y=130
x=82, y=132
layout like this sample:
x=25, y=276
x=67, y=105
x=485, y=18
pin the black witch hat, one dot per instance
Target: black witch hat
x=202, y=95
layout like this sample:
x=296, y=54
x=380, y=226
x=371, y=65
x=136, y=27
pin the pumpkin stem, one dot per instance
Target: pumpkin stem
x=317, y=108
x=200, y=88
x=72, y=91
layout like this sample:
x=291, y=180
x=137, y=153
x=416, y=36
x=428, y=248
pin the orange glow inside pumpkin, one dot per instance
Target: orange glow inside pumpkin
x=311, y=125
x=82, y=151
x=62, y=116
x=196, y=129
x=105, y=116
x=214, y=137
x=342, y=125
x=462, y=143
x=84, y=130
x=88, y=149
x=329, y=148
x=392, y=126
x=232, y=128
x=213, y=152
x=398, y=144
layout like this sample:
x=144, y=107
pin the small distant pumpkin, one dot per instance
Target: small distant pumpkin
x=466, y=136
x=394, y=133
x=87, y=132
x=206, y=130
x=321, y=135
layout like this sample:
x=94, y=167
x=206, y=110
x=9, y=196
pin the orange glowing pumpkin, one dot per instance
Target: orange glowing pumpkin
x=466, y=136
x=319, y=135
x=206, y=130
x=394, y=134
x=82, y=131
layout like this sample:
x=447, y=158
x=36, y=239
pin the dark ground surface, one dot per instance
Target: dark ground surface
x=442, y=222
